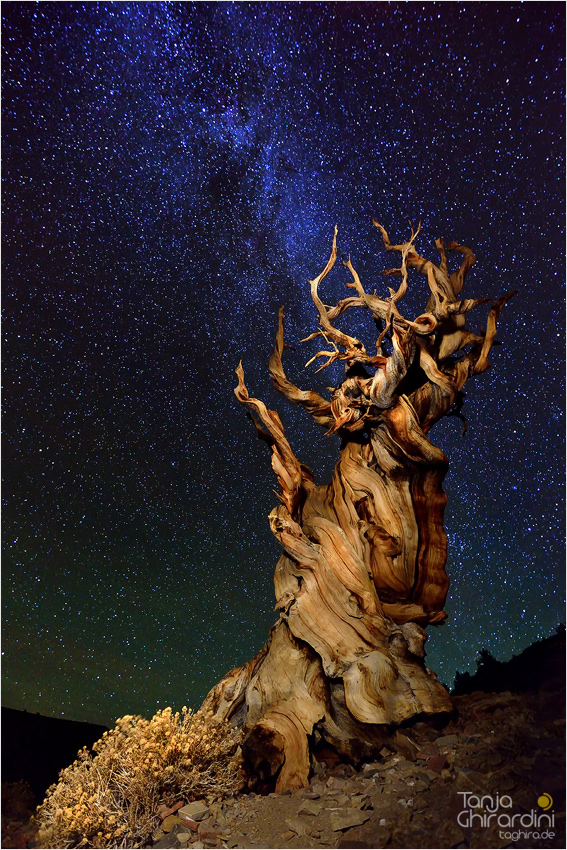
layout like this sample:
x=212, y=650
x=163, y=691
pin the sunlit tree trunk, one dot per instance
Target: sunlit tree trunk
x=363, y=566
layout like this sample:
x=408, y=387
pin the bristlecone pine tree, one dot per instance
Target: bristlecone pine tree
x=363, y=568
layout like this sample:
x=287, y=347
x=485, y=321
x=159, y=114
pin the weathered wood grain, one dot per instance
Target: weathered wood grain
x=363, y=566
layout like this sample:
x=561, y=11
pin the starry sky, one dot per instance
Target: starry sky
x=172, y=173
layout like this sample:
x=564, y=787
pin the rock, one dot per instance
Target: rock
x=310, y=808
x=169, y=822
x=370, y=770
x=198, y=845
x=406, y=768
x=431, y=774
x=398, y=786
x=470, y=780
x=437, y=763
x=194, y=811
x=346, y=819
x=207, y=832
x=428, y=751
x=288, y=835
x=296, y=826
x=218, y=815
x=381, y=837
x=361, y=801
x=349, y=770
x=375, y=837
x=183, y=837
x=168, y=841
x=308, y=795
x=164, y=812
x=334, y=782
x=447, y=741
x=449, y=834
x=338, y=801
x=408, y=748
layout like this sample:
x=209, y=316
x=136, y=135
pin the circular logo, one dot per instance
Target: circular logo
x=545, y=801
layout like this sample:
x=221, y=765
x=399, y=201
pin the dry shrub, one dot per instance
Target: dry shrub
x=111, y=799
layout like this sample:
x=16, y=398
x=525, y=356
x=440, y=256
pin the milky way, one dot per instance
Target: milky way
x=172, y=175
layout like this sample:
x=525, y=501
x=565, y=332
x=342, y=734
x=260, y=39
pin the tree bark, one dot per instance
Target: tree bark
x=363, y=566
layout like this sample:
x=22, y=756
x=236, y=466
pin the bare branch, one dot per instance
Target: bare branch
x=337, y=335
x=363, y=569
x=406, y=249
x=413, y=259
x=458, y=277
x=315, y=404
x=356, y=284
x=343, y=305
x=331, y=355
x=290, y=472
x=481, y=363
x=466, y=305
x=437, y=276
x=441, y=248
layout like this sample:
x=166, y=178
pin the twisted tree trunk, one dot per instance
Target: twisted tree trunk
x=363, y=569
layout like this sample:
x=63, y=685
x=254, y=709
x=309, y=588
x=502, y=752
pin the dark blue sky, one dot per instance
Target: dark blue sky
x=172, y=173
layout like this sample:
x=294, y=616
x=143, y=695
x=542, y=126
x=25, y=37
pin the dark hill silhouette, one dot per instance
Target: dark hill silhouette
x=36, y=748
x=540, y=666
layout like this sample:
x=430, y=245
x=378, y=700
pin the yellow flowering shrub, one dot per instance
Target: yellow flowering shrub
x=111, y=798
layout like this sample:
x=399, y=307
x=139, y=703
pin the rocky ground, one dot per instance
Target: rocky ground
x=424, y=790
x=508, y=746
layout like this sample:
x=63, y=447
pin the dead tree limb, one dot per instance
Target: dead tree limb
x=362, y=572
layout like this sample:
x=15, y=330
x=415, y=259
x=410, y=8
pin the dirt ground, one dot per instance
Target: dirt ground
x=492, y=776
x=484, y=780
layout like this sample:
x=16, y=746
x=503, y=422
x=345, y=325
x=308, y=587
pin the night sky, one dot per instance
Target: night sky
x=172, y=173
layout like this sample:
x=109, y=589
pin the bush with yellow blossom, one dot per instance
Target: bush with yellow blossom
x=111, y=798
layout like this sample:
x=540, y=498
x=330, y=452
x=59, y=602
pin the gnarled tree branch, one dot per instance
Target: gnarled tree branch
x=363, y=566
